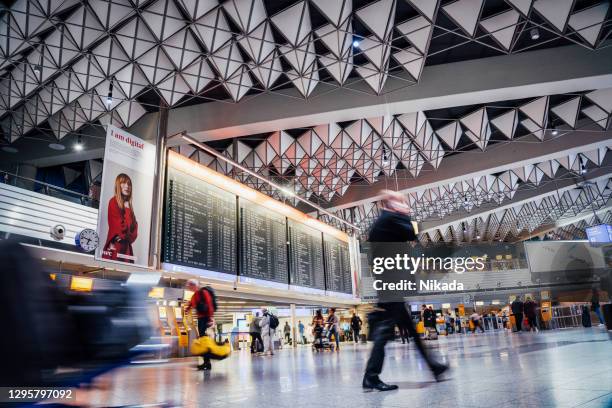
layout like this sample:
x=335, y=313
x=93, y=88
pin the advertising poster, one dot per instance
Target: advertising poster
x=124, y=217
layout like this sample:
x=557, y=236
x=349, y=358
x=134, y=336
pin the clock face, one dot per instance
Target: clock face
x=88, y=240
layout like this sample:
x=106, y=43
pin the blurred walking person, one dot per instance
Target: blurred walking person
x=255, y=332
x=332, y=327
x=287, y=333
x=267, y=331
x=301, y=331
x=393, y=225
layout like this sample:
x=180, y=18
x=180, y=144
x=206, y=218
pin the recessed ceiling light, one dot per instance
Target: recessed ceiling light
x=78, y=146
x=356, y=44
x=57, y=146
x=535, y=34
x=10, y=149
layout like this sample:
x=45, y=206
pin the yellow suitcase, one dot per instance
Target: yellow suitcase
x=207, y=347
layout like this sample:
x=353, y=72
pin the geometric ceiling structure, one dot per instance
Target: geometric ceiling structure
x=322, y=163
x=60, y=60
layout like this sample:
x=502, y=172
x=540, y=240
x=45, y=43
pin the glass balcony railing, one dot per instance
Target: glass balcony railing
x=47, y=189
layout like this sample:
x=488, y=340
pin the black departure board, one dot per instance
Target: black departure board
x=337, y=265
x=306, y=256
x=199, y=224
x=263, y=243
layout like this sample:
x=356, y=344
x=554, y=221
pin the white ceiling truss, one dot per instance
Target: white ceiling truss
x=58, y=58
x=322, y=162
x=577, y=230
x=509, y=222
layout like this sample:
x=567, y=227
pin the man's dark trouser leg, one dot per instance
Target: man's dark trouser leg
x=382, y=331
x=336, y=336
x=406, y=320
x=202, y=326
x=519, y=321
x=356, y=335
x=259, y=340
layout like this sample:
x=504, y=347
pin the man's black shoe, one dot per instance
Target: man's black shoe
x=438, y=370
x=377, y=384
x=205, y=366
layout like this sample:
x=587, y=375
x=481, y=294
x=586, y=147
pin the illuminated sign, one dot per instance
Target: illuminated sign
x=80, y=284
x=156, y=292
x=599, y=233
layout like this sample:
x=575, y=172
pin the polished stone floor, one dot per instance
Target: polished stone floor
x=565, y=368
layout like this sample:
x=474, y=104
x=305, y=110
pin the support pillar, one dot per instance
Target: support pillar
x=293, y=322
x=158, y=190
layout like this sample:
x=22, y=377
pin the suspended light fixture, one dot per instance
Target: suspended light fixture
x=109, y=97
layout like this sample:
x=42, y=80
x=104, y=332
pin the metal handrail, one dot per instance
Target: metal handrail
x=47, y=185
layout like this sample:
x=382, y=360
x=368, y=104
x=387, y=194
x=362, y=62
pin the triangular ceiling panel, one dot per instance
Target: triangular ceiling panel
x=507, y=123
x=378, y=17
x=111, y=12
x=411, y=60
x=603, y=98
x=597, y=115
x=533, y=128
x=375, y=79
x=294, y=22
x=450, y=134
x=425, y=7
x=465, y=14
x=197, y=8
x=502, y=27
x=524, y=6
x=246, y=14
x=537, y=111
x=163, y=18
x=568, y=111
x=588, y=22
x=336, y=12
x=213, y=30
x=418, y=32
x=556, y=12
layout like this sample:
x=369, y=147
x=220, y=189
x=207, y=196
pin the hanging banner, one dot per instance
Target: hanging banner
x=124, y=217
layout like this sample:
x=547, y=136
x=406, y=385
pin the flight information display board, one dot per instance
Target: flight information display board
x=306, y=256
x=337, y=265
x=199, y=224
x=263, y=243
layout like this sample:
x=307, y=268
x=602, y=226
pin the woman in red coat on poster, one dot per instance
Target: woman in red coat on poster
x=122, y=225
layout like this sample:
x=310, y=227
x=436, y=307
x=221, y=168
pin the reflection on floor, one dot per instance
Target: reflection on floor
x=569, y=368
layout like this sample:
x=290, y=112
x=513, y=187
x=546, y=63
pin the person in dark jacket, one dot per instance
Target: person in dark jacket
x=596, y=308
x=393, y=225
x=517, y=311
x=530, y=310
x=356, y=324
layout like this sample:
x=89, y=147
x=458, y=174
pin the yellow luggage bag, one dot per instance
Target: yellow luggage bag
x=207, y=347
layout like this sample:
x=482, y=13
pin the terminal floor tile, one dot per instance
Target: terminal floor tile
x=563, y=368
